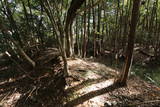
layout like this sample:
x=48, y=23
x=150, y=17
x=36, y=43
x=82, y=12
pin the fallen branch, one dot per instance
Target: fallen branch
x=30, y=94
x=145, y=53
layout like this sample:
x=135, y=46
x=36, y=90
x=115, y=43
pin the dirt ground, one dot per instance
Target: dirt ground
x=90, y=84
x=92, y=78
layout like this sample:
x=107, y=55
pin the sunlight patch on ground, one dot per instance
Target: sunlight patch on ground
x=98, y=100
x=92, y=70
x=77, y=61
x=92, y=75
x=100, y=69
x=97, y=86
x=11, y=100
x=87, y=70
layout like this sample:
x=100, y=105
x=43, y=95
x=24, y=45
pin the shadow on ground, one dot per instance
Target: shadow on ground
x=92, y=94
x=90, y=84
x=37, y=87
x=95, y=87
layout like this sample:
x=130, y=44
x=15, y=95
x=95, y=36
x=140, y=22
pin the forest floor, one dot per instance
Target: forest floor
x=91, y=84
x=92, y=78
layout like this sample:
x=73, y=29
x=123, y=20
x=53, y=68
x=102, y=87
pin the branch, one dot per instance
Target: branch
x=88, y=7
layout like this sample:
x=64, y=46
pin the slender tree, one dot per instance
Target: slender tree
x=130, y=46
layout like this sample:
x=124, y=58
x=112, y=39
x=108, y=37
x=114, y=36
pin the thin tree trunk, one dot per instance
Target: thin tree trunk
x=84, y=35
x=99, y=31
x=20, y=50
x=58, y=34
x=88, y=29
x=94, y=29
x=12, y=22
x=131, y=36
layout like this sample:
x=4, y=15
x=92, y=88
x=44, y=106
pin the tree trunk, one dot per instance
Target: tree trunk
x=88, y=27
x=131, y=37
x=84, y=35
x=20, y=50
x=99, y=31
x=71, y=14
x=94, y=28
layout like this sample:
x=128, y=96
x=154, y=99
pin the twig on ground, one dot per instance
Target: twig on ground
x=30, y=93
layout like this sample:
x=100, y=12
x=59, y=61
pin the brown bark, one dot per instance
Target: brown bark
x=71, y=14
x=94, y=28
x=58, y=33
x=99, y=31
x=84, y=36
x=131, y=37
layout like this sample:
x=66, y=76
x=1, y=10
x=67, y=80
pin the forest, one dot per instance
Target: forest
x=79, y=53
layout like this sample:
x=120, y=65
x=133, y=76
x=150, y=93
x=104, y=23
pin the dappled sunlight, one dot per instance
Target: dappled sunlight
x=90, y=70
x=98, y=100
x=83, y=84
x=84, y=64
x=10, y=99
x=91, y=94
x=96, y=86
x=92, y=75
x=76, y=61
x=110, y=93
